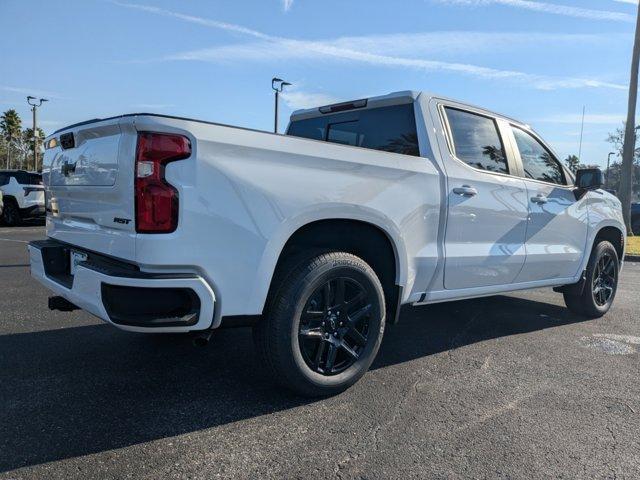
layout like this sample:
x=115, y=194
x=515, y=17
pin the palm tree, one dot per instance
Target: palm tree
x=572, y=162
x=11, y=128
x=630, y=133
x=406, y=144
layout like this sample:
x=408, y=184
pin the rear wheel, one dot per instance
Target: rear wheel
x=324, y=325
x=600, y=285
x=11, y=213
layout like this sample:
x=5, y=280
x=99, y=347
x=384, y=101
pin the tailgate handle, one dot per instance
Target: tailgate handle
x=68, y=168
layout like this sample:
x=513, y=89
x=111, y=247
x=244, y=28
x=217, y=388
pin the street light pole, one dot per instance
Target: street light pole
x=277, y=84
x=606, y=178
x=34, y=109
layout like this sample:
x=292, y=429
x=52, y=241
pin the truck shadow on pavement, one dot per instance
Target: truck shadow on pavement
x=82, y=390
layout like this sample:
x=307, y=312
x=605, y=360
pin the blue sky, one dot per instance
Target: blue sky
x=538, y=61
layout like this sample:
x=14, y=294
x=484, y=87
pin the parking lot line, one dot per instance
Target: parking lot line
x=12, y=240
x=4, y=231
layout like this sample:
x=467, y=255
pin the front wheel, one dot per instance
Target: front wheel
x=323, y=326
x=600, y=285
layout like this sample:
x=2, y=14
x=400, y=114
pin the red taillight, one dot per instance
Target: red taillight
x=156, y=200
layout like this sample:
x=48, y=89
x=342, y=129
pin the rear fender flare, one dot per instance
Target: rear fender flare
x=315, y=213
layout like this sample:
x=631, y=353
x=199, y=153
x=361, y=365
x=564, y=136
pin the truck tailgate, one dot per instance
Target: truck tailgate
x=88, y=172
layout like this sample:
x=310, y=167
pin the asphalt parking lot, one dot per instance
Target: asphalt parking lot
x=503, y=387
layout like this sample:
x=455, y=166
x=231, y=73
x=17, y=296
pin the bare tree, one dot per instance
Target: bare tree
x=630, y=133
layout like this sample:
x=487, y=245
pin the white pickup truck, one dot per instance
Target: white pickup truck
x=316, y=237
x=23, y=195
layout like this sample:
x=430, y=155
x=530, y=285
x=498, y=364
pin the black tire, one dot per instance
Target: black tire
x=11, y=213
x=294, y=351
x=600, y=288
x=635, y=227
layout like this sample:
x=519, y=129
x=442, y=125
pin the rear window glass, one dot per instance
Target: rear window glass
x=23, y=178
x=391, y=129
x=35, y=179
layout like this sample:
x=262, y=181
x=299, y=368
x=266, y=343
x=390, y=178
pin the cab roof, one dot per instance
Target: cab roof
x=394, y=98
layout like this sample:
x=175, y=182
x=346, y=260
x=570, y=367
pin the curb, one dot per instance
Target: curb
x=632, y=258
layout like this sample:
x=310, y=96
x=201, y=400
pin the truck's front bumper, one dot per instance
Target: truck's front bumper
x=121, y=294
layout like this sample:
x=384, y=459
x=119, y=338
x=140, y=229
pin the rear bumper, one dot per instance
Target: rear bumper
x=120, y=294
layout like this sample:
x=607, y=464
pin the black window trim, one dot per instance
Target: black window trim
x=565, y=173
x=512, y=166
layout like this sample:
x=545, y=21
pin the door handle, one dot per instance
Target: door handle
x=539, y=199
x=465, y=191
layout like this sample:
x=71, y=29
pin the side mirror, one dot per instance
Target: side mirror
x=589, y=179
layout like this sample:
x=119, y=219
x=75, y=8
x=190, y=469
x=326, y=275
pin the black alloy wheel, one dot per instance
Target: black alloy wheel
x=605, y=277
x=334, y=326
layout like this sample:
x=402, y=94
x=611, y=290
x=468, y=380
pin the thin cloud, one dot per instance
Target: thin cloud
x=552, y=8
x=631, y=2
x=403, y=44
x=29, y=91
x=287, y=4
x=298, y=99
x=205, y=22
x=304, y=49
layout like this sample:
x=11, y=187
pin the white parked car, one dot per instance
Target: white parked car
x=23, y=195
x=316, y=237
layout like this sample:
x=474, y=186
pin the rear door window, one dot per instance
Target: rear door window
x=476, y=140
x=390, y=129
